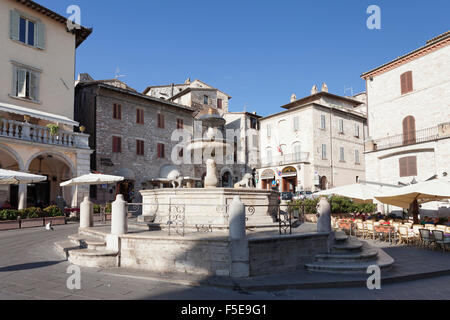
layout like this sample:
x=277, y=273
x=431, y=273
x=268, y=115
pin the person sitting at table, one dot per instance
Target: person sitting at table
x=6, y=205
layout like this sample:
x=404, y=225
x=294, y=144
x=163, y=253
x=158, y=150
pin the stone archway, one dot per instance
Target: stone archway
x=57, y=168
x=10, y=160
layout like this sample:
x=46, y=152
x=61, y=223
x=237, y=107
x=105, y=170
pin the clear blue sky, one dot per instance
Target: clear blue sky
x=259, y=52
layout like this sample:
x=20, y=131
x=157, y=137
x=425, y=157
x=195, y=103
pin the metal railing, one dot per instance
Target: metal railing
x=410, y=138
x=285, y=215
x=31, y=132
x=284, y=159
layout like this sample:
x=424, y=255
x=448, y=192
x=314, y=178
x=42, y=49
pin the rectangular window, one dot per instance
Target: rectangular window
x=180, y=124
x=219, y=103
x=296, y=124
x=324, y=151
x=357, y=157
x=341, y=126
x=253, y=123
x=408, y=166
x=160, y=150
x=160, y=121
x=356, y=130
x=322, y=122
x=140, y=147
x=116, y=144
x=341, y=154
x=269, y=156
x=269, y=130
x=117, y=111
x=406, y=82
x=139, y=116
x=26, y=31
x=205, y=99
x=297, y=152
x=26, y=83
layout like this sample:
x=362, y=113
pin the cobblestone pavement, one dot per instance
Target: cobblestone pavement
x=30, y=268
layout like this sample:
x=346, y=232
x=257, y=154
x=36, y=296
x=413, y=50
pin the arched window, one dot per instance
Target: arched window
x=409, y=130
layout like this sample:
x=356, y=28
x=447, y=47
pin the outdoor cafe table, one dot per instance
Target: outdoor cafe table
x=386, y=229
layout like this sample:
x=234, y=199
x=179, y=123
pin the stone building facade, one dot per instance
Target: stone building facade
x=196, y=94
x=36, y=94
x=131, y=134
x=317, y=143
x=409, y=117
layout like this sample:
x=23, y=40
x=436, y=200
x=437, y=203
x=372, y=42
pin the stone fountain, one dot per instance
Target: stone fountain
x=208, y=206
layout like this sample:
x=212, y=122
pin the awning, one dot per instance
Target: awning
x=37, y=114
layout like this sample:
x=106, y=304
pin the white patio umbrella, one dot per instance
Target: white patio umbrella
x=91, y=179
x=422, y=192
x=360, y=193
x=17, y=177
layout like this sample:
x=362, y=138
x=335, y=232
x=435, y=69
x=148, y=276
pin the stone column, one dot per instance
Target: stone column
x=86, y=213
x=22, y=196
x=240, y=265
x=119, y=220
x=324, y=220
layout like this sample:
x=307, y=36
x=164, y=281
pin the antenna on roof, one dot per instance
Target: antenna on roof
x=118, y=75
x=347, y=89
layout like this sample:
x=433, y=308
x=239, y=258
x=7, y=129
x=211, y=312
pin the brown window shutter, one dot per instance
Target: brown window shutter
x=412, y=166
x=114, y=111
x=403, y=83
x=119, y=143
x=403, y=167
x=138, y=119
x=409, y=81
x=162, y=121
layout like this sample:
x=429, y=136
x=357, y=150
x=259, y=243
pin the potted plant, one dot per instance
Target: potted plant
x=53, y=128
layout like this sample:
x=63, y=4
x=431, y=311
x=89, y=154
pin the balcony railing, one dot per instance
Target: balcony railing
x=284, y=159
x=419, y=136
x=34, y=133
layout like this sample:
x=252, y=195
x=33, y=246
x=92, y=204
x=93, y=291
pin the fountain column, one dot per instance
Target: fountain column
x=240, y=261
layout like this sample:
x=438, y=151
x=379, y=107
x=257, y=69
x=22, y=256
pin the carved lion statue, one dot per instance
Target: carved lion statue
x=246, y=181
x=175, y=178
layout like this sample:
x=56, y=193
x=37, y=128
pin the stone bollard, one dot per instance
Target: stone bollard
x=240, y=266
x=324, y=220
x=119, y=219
x=86, y=213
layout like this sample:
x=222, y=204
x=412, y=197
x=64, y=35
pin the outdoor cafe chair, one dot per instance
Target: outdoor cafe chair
x=440, y=239
x=426, y=238
x=360, y=229
x=371, y=229
x=405, y=234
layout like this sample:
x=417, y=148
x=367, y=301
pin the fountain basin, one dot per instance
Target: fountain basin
x=208, y=206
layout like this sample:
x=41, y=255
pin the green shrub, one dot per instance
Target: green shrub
x=53, y=211
x=96, y=208
x=339, y=205
x=31, y=213
x=8, y=214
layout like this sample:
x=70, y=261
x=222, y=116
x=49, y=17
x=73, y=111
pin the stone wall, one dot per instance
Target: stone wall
x=176, y=255
x=284, y=253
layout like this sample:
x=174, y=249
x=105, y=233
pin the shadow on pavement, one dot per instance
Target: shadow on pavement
x=28, y=266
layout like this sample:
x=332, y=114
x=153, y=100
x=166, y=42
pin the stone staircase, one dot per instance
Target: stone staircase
x=87, y=250
x=350, y=255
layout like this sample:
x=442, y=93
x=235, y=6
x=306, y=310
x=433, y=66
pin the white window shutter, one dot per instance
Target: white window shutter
x=14, y=24
x=34, y=86
x=40, y=32
x=14, y=81
x=21, y=83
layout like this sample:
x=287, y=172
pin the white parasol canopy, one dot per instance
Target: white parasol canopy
x=361, y=193
x=17, y=177
x=92, y=178
x=422, y=192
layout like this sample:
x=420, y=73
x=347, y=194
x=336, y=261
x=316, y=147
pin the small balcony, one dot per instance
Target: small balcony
x=440, y=131
x=285, y=159
x=35, y=133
